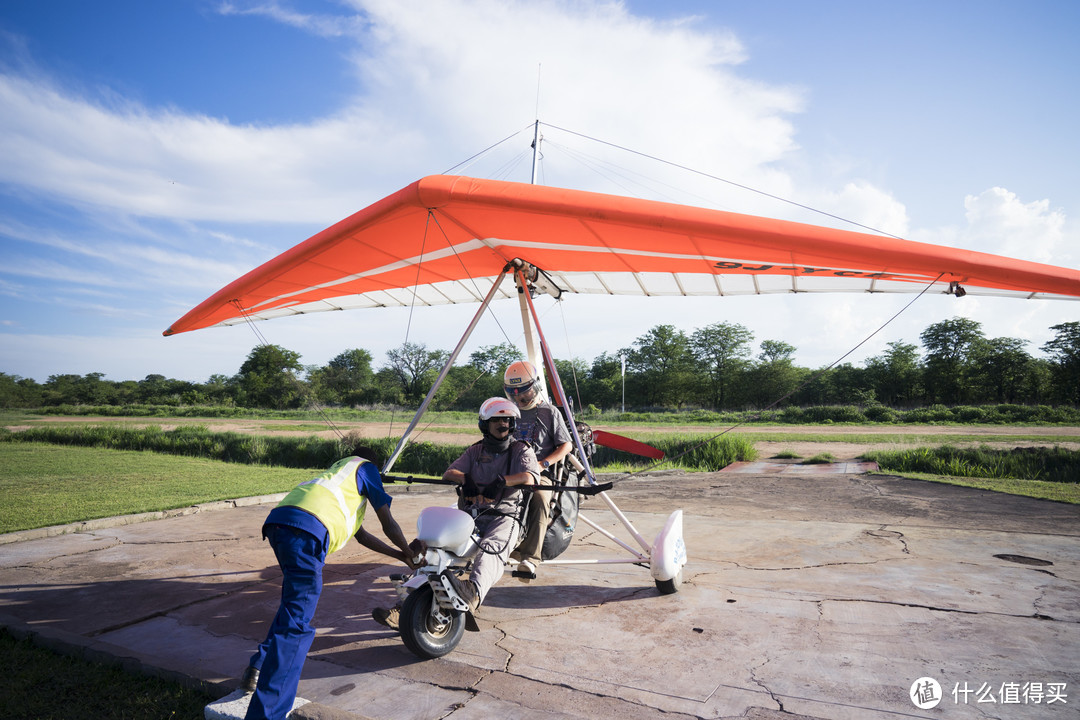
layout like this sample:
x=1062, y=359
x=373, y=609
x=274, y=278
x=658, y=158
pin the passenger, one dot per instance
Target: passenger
x=315, y=519
x=489, y=473
x=542, y=426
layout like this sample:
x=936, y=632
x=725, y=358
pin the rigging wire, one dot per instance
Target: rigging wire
x=723, y=180
x=468, y=161
x=618, y=176
x=508, y=168
x=309, y=395
x=779, y=400
x=416, y=282
x=453, y=249
x=570, y=354
x=412, y=305
x=623, y=177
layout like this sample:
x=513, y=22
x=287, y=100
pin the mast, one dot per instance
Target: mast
x=535, y=149
x=531, y=345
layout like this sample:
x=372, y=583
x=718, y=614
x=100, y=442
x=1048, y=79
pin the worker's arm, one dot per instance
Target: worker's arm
x=392, y=530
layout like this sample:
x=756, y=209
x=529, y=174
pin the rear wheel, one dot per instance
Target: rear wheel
x=422, y=632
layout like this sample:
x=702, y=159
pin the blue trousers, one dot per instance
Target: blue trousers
x=280, y=658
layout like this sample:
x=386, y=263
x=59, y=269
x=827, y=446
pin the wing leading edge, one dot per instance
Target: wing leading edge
x=444, y=239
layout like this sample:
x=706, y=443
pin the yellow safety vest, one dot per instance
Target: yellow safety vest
x=334, y=499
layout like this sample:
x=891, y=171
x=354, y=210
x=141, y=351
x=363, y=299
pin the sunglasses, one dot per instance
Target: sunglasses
x=520, y=391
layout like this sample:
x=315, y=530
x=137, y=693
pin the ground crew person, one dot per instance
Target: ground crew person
x=317, y=518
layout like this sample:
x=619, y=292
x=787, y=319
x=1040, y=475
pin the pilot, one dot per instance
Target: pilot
x=543, y=428
x=489, y=473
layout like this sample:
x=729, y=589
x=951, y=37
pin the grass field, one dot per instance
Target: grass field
x=60, y=484
x=47, y=485
x=39, y=684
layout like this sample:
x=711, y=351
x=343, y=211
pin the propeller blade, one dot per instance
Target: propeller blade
x=618, y=442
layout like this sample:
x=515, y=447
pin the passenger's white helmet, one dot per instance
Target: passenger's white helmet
x=521, y=383
x=498, y=407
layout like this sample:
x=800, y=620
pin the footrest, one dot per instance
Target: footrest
x=445, y=594
x=522, y=575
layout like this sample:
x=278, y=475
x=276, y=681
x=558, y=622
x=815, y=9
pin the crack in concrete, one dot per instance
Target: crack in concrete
x=117, y=542
x=810, y=567
x=893, y=535
x=506, y=670
x=164, y=613
x=36, y=564
x=820, y=620
x=932, y=608
x=653, y=710
x=754, y=678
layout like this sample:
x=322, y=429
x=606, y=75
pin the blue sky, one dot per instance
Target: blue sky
x=152, y=152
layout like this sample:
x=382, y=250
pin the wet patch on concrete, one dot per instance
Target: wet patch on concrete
x=780, y=468
x=1023, y=559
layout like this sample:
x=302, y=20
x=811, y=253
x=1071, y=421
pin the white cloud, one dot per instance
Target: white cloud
x=321, y=25
x=442, y=79
x=999, y=222
x=860, y=202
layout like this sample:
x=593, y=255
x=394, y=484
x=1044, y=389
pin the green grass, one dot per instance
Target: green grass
x=39, y=684
x=54, y=485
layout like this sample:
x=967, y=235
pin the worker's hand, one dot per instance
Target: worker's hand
x=492, y=490
x=468, y=487
x=417, y=551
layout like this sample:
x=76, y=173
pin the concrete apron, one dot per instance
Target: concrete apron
x=823, y=596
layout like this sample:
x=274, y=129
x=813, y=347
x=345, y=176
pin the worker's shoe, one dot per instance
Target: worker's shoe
x=387, y=618
x=464, y=589
x=249, y=680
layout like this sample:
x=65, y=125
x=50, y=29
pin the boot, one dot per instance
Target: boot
x=249, y=680
x=465, y=589
x=387, y=618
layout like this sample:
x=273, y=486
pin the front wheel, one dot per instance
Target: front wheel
x=422, y=631
x=670, y=587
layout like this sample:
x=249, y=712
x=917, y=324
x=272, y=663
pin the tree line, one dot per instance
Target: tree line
x=713, y=367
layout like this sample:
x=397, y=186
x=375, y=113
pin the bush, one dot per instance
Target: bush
x=833, y=414
x=880, y=414
x=310, y=451
x=1054, y=464
x=692, y=452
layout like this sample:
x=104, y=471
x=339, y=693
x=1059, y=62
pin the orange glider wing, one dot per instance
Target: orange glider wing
x=444, y=239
